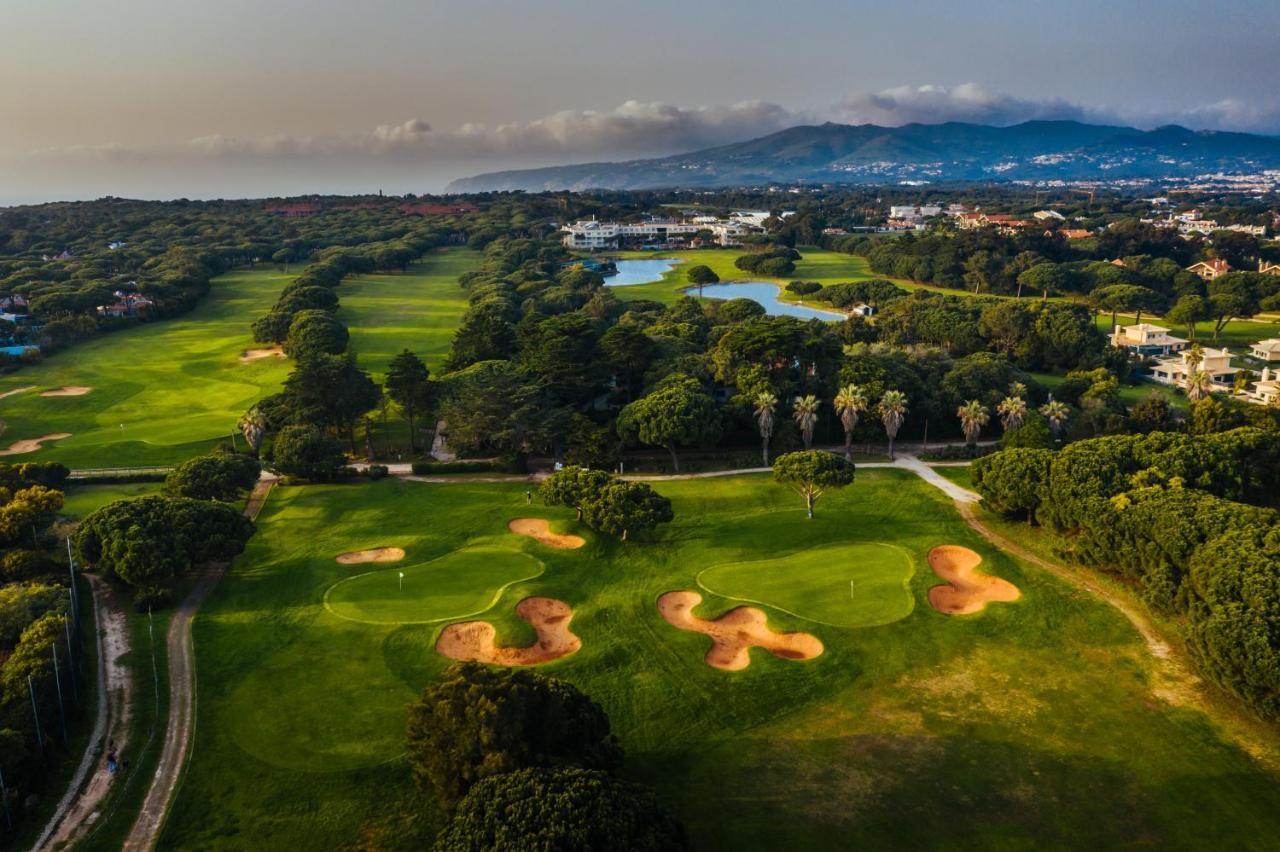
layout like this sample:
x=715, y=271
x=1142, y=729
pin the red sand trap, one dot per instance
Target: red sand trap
x=736, y=632
x=69, y=390
x=967, y=591
x=477, y=640
x=540, y=531
x=377, y=554
x=30, y=445
x=258, y=354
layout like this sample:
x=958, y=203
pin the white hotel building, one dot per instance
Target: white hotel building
x=591, y=235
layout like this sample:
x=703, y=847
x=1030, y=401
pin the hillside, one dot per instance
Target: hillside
x=955, y=151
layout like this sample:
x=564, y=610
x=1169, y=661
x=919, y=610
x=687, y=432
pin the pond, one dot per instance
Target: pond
x=767, y=295
x=644, y=271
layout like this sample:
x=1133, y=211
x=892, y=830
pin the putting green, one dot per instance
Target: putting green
x=460, y=584
x=841, y=585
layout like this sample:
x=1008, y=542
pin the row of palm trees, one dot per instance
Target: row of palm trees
x=1012, y=411
x=850, y=402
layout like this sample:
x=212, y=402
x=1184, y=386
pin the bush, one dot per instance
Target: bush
x=307, y=452
x=477, y=721
x=426, y=468
x=803, y=288
x=376, y=471
x=217, y=476
x=958, y=452
x=561, y=809
x=151, y=598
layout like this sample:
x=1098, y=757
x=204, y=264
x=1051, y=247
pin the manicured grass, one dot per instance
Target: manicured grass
x=1130, y=395
x=162, y=392
x=80, y=500
x=417, y=310
x=844, y=585
x=463, y=583
x=959, y=474
x=1016, y=727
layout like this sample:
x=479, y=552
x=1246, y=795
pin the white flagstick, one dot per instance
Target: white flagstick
x=850, y=590
x=402, y=581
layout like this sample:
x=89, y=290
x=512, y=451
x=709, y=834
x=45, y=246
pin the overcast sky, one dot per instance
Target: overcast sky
x=234, y=98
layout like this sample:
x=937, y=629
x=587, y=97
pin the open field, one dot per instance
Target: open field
x=161, y=392
x=416, y=310
x=1001, y=729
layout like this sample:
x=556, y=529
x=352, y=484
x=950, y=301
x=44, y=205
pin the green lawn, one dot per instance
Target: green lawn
x=162, y=392
x=959, y=474
x=417, y=310
x=165, y=391
x=1130, y=395
x=80, y=500
x=457, y=585
x=1013, y=728
x=1236, y=335
x=865, y=584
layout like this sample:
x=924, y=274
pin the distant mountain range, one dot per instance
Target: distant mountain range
x=955, y=151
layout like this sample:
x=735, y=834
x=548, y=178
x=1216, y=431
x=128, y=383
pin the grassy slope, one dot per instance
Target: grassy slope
x=417, y=310
x=1015, y=727
x=176, y=386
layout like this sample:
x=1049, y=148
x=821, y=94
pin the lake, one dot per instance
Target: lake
x=640, y=271
x=766, y=294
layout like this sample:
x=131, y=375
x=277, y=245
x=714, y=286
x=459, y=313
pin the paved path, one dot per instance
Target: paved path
x=180, y=727
x=79, y=808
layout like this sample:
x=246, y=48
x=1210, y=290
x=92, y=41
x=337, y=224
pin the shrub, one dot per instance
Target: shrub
x=803, y=288
x=376, y=471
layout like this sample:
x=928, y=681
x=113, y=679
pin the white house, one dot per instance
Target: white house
x=1146, y=339
x=1045, y=215
x=1176, y=369
x=1265, y=391
x=1210, y=269
x=1266, y=350
x=863, y=310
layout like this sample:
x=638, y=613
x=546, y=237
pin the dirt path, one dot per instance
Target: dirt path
x=79, y=809
x=181, y=724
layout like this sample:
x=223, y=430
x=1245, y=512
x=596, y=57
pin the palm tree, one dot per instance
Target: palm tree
x=1199, y=384
x=850, y=402
x=806, y=416
x=1012, y=411
x=1056, y=412
x=1017, y=389
x=765, y=404
x=973, y=416
x=893, y=410
x=253, y=425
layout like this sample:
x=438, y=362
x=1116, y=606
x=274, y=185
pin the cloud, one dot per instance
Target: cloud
x=931, y=104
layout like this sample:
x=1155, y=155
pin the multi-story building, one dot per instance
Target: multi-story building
x=1144, y=339
x=591, y=235
x=1210, y=269
x=1176, y=369
x=1267, y=351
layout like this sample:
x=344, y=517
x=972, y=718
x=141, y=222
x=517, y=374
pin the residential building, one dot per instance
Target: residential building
x=862, y=310
x=1145, y=339
x=1268, y=268
x=1175, y=370
x=1265, y=391
x=1045, y=215
x=1266, y=350
x=1076, y=233
x=1210, y=269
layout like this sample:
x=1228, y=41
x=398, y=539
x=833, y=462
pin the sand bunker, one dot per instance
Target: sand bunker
x=376, y=554
x=968, y=590
x=18, y=390
x=736, y=632
x=258, y=354
x=69, y=390
x=540, y=531
x=30, y=445
x=476, y=640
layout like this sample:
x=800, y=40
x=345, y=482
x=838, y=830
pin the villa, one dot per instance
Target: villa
x=1268, y=268
x=1210, y=269
x=1266, y=350
x=1265, y=391
x=1145, y=339
x=1215, y=362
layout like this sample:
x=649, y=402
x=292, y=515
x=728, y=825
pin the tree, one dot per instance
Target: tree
x=307, y=452
x=24, y=509
x=765, y=404
x=1045, y=277
x=330, y=390
x=621, y=508
x=217, y=476
x=702, y=275
x=152, y=538
x=973, y=416
x=573, y=487
x=1012, y=411
x=315, y=331
x=253, y=426
x=1055, y=412
x=1013, y=480
x=893, y=411
x=811, y=473
x=495, y=406
x=476, y=722
x=560, y=808
x=677, y=413
x=850, y=402
x=1188, y=311
x=628, y=352
x=408, y=384
x=1198, y=384
x=805, y=413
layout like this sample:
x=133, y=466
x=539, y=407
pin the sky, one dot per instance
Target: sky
x=258, y=98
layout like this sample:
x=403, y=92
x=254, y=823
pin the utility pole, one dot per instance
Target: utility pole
x=35, y=713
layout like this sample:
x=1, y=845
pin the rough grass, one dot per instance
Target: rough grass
x=1016, y=727
x=863, y=584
